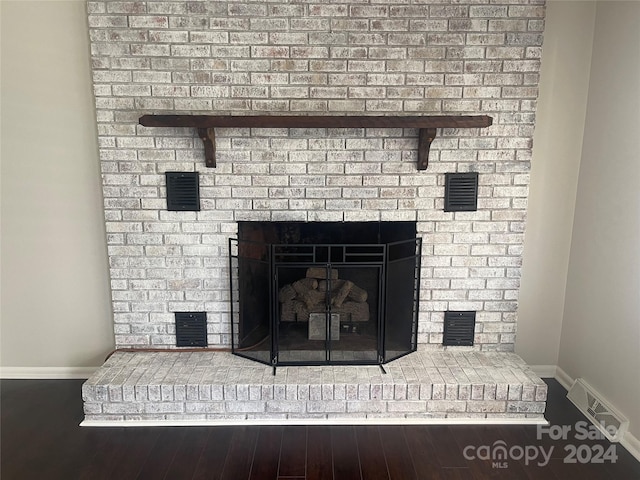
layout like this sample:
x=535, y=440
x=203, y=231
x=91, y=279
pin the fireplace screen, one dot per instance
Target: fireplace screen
x=316, y=293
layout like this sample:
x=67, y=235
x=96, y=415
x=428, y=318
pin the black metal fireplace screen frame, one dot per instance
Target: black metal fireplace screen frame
x=256, y=274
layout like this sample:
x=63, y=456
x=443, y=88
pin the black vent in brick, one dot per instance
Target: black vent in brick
x=183, y=191
x=459, y=328
x=461, y=192
x=191, y=329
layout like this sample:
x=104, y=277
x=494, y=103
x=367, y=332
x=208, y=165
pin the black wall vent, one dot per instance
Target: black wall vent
x=459, y=328
x=461, y=192
x=183, y=191
x=191, y=329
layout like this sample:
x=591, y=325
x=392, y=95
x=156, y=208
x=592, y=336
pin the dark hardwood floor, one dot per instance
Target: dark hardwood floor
x=41, y=439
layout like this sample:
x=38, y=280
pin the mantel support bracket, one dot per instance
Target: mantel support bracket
x=426, y=136
x=427, y=126
x=208, y=136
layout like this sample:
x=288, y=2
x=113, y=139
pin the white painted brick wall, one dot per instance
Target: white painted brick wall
x=317, y=56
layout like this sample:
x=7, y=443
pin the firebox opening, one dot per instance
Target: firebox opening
x=318, y=293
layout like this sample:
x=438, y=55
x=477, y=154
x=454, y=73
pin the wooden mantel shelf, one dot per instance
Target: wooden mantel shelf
x=427, y=126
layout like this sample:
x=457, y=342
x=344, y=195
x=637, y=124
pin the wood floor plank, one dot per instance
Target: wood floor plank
x=293, y=452
x=267, y=455
x=185, y=461
x=445, y=447
x=133, y=445
x=161, y=455
x=344, y=451
x=467, y=438
x=34, y=419
x=498, y=446
x=532, y=468
x=18, y=432
x=372, y=461
x=71, y=445
x=561, y=411
x=396, y=453
x=490, y=438
x=319, y=461
x=41, y=439
x=240, y=455
x=72, y=450
x=455, y=473
x=582, y=471
x=104, y=459
x=516, y=467
x=625, y=466
x=214, y=454
x=422, y=451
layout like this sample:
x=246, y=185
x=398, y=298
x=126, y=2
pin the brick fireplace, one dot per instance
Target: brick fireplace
x=313, y=58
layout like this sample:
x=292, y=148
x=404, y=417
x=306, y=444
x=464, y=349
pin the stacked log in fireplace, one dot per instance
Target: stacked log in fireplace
x=315, y=293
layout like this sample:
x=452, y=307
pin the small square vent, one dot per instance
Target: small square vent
x=459, y=328
x=461, y=192
x=191, y=329
x=183, y=191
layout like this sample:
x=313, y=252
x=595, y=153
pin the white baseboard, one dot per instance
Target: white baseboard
x=563, y=378
x=544, y=371
x=46, y=373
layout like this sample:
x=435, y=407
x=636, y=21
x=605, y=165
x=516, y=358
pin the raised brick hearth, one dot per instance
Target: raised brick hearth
x=207, y=387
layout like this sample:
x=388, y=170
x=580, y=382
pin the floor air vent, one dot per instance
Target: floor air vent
x=183, y=191
x=609, y=421
x=461, y=192
x=459, y=328
x=191, y=329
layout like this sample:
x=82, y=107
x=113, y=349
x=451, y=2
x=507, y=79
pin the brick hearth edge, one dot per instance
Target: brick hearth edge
x=218, y=388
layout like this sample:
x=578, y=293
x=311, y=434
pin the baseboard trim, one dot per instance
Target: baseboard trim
x=315, y=421
x=563, y=378
x=544, y=371
x=46, y=373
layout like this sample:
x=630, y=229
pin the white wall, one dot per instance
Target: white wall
x=557, y=148
x=600, y=338
x=55, y=289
